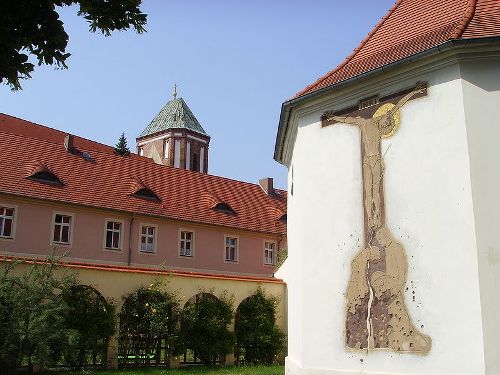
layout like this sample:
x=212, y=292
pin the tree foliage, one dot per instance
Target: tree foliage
x=258, y=339
x=204, y=327
x=121, y=147
x=33, y=27
x=150, y=314
x=92, y=320
x=32, y=314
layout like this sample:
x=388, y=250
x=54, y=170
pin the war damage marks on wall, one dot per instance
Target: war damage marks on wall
x=376, y=315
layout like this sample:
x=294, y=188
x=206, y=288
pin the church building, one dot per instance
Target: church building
x=393, y=229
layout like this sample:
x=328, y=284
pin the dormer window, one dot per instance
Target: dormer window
x=146, y=194
x=224, y=207
x=140, y=190
x=282, y=218
x=40, y=173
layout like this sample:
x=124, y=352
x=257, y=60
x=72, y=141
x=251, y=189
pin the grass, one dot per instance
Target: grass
x=226, y=370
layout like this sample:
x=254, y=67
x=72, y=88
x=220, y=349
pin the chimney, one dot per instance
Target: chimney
x=68, y=143
x=267, y=185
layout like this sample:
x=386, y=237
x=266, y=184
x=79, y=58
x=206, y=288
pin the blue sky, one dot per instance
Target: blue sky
x=234, y=62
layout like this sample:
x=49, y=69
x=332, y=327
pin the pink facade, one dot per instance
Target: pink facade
x=34, y=226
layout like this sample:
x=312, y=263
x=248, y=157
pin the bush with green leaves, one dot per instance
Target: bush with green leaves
x=258, y=339
x=92, y=320
x=204, y=326
x=149, y=318
x=32, y=313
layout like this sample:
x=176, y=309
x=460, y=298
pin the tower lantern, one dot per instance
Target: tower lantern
x=175, y=137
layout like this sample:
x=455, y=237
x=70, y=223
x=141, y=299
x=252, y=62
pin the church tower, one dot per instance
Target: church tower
x=175, y=138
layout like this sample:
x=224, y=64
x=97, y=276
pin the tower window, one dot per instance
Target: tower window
x=166, y=151
x=194, y=163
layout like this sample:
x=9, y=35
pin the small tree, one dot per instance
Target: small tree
x=149, y=316
x=121, y=147
x=204, y=327
x=32, y=314
x=92, y=319
x=258, y=340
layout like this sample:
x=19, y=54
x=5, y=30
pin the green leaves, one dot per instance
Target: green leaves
x=258, y=340
x=32, y=312
x=32, y=27
x=204, y=327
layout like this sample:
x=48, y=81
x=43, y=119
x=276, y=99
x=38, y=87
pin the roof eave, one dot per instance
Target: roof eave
x=288, y=106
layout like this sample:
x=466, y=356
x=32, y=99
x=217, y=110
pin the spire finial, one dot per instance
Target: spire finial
x=174, y=94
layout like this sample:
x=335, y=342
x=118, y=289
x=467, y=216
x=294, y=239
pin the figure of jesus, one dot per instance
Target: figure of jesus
x=376, y=316
x=373, y=165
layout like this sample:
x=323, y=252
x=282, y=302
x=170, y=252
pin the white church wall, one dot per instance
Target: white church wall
x=481, y=88
x=429, y=210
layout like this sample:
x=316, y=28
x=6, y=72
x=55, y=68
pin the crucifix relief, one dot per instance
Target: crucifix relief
x=376, y=315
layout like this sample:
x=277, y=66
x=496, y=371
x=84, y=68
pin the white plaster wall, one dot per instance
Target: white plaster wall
x=429, y=210
x=481, y=89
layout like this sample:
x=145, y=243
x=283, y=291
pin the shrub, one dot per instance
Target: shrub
x=204, y=327
x=32, y=314
x=149, y=317
x=92, y=320
x=258, y=340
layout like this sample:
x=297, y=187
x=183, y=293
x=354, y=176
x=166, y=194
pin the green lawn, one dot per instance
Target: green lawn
x=229, y=370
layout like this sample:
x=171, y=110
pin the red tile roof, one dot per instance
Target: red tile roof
x=411, y=27
x=106, y=181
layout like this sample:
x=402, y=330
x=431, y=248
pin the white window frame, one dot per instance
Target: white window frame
x=14, y=220
x=71, y=227
x=120, y=238
x=155, y=236
x=273, y=253
x=179, y=253
x=237, y=249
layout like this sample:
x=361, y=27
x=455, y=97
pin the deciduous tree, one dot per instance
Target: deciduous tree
x=33, y=27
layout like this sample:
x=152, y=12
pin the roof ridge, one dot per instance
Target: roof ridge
x=470, y=10
x=356, y=50
x=55, y=130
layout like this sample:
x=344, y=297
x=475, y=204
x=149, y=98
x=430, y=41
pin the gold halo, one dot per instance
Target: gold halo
x=390, y=130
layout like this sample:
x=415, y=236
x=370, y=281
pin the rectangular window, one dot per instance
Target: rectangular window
x=62, y=229
x=6, y=222
x=231, y=249
x=148, y=239
x=113, y=235
x=186, y=245
x=269, y=253
x=166, y=151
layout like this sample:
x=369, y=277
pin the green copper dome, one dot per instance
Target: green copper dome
x=174, y=115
